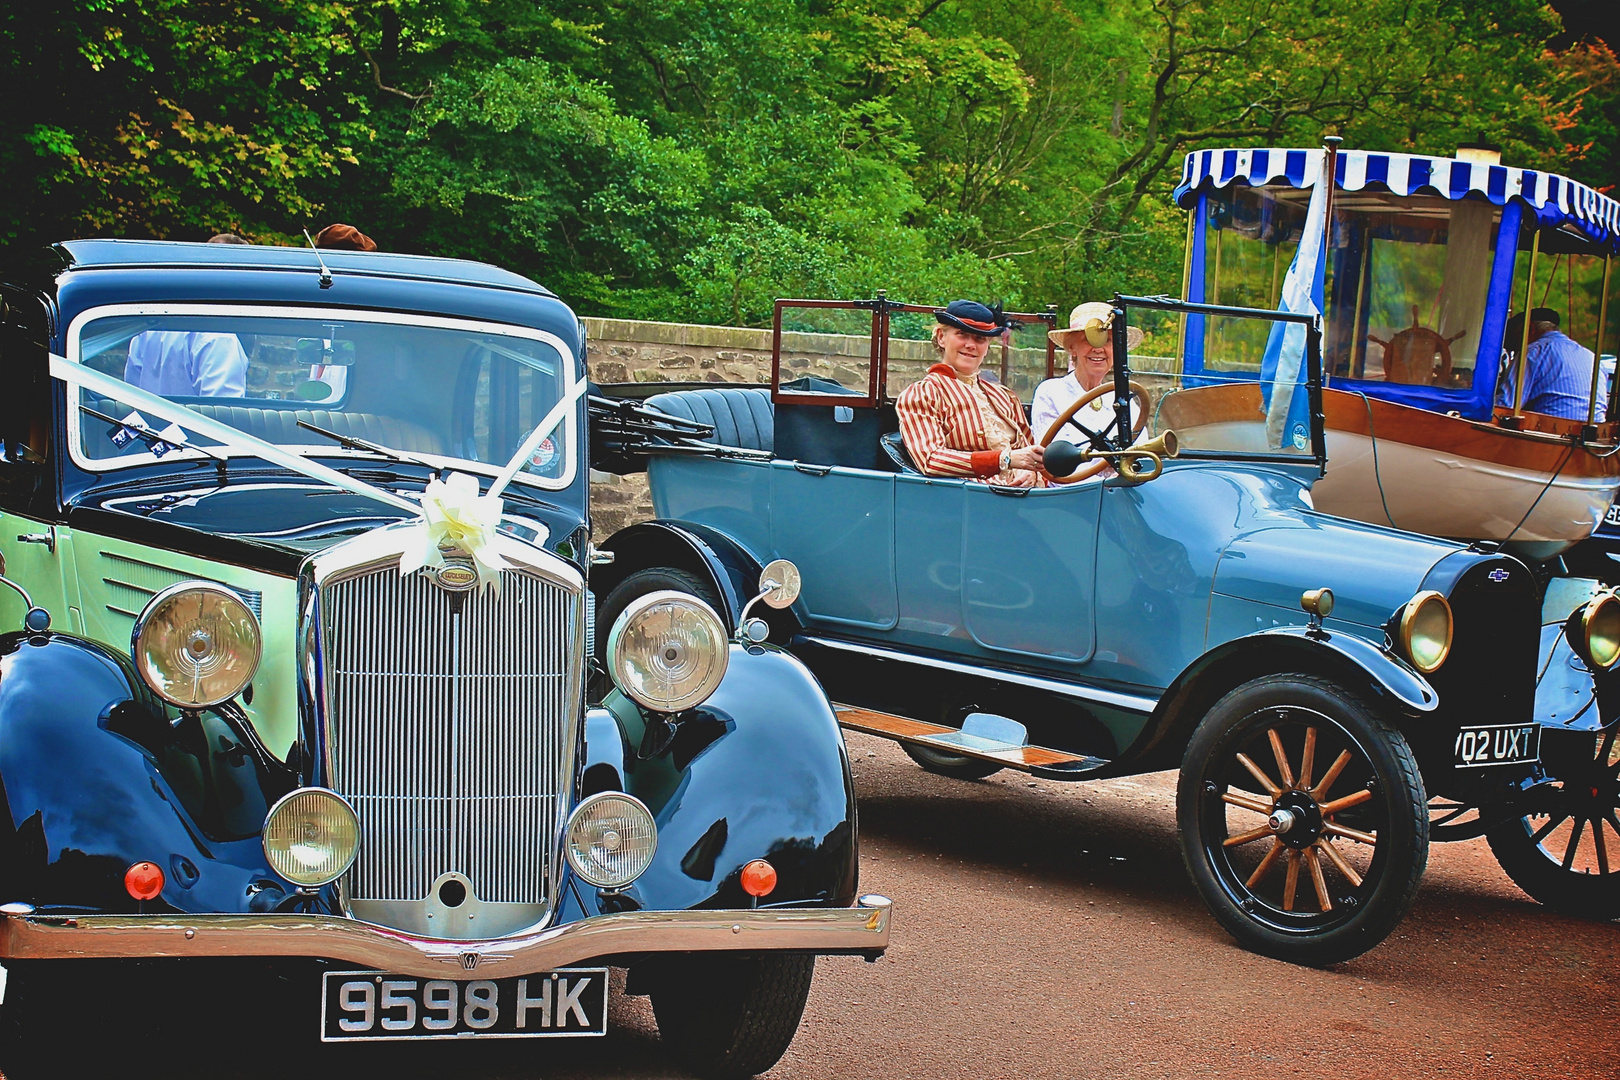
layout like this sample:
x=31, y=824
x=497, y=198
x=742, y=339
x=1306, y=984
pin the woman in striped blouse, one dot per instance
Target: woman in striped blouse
x=955, y=423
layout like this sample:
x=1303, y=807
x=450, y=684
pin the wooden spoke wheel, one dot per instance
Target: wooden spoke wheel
x=1139, y=397
x=1569, y=857
x=1303, y=819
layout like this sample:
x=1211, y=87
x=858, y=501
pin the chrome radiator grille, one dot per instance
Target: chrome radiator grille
x=450, y=728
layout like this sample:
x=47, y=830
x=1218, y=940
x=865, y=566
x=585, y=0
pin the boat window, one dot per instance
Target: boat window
x=1251, y=236
x=1571, y=283
x=1407, y=287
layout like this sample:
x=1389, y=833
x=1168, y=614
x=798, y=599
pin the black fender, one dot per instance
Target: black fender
x=698, y=549
x=759, y=771
x=1347, y=658
x=96, y=776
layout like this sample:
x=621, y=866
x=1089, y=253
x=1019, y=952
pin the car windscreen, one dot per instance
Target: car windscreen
x=436, y=389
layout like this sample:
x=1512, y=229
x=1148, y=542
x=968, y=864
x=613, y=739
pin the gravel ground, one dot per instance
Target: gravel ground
x=1049, y=930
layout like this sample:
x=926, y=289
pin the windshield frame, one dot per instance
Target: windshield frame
x=491, y=470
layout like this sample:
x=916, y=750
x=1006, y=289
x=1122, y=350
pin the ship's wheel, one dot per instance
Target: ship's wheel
x=1417, y=355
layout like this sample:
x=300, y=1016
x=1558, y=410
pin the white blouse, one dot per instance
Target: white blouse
x=1054, y=396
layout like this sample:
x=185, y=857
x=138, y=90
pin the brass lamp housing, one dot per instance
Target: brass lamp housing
x=1593, y=630
x=1423, y=631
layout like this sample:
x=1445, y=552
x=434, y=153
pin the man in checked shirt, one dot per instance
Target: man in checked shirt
x=955, y=423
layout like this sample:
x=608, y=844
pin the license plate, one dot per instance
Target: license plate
x=362, y=1005
x=1611, y=516
x=1497, y=744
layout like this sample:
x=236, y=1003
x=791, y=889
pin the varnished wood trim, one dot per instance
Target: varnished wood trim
x=887, y=725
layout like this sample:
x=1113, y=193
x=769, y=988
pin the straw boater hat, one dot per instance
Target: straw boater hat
x=1093, y=320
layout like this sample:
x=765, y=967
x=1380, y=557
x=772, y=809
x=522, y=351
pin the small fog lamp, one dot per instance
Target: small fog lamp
x=311, y=836
x=1593, y=630
x=759, y=878
x=1424, y=631
x=196, y=644
x=611, y=839
x=668, y=651
x=144, y=881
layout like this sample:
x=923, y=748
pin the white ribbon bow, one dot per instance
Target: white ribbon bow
x=455, y=517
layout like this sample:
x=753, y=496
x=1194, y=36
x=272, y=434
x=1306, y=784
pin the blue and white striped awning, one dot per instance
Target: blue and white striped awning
x=1557, y=200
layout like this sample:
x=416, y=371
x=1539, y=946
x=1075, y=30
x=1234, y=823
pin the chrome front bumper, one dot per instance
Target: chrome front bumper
x=863, y=928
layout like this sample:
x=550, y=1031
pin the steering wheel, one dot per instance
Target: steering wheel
x=1409, y=355
x=1092, y=468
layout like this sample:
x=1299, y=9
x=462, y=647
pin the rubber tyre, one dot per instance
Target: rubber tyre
x=1588, y=790
x=1362, y=915
x=732, y=1015
x=639, y=584
x=956, y=766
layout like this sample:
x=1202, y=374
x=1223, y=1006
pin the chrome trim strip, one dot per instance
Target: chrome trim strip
x=1134, y=702
x=863, y=928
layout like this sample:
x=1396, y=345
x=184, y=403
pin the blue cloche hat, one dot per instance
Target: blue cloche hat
x=975, y=318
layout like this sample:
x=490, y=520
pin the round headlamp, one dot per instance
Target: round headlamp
x=196, y=644
x=611, y=839
x=311, y=836
x=668, y=651
x=1424, y=631
x=1593, y=630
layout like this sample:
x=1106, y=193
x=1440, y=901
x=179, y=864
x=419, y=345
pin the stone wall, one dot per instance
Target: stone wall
x=625, y=351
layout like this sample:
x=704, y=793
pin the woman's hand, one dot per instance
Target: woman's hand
x=1027, y=457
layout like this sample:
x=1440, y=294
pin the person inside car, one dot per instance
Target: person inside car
x=955, y=423
x=1089, y=341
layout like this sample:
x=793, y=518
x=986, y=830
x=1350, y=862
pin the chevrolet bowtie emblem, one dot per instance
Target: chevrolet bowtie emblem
x=1498, y=575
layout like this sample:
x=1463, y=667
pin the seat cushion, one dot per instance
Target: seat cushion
x=740, y=416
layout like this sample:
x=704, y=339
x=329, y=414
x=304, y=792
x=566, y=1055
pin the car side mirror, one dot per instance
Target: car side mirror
x=779, y=584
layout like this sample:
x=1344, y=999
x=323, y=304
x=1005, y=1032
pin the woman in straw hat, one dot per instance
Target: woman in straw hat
x=955, y=423
x=1089, y=341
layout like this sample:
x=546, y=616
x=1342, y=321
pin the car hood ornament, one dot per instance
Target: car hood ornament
x=456, y=536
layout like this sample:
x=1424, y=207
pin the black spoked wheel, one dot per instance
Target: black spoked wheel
x=1569, y=857
x=1303, y=819
x=943, y=763
x=956, y=766
x=731, y=1015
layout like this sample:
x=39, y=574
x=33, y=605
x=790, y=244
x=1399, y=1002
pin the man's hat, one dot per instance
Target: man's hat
x=975, y=318
x=1093, y=319
x=344, y=238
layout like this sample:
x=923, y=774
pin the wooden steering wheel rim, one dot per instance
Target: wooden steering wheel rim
x=1092, y=468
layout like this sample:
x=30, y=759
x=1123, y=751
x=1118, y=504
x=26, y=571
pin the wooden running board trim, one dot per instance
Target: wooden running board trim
x=1032, y=759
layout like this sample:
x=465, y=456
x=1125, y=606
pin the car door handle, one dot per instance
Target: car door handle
x=812, y=470
x=1010, y=492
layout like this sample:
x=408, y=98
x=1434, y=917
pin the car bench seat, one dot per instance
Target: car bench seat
x=741, y=416
x=281, y=425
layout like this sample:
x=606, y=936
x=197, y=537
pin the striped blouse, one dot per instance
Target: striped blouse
x=950, y=427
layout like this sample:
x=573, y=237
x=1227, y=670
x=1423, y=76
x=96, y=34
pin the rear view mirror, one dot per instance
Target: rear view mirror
x=326, y=352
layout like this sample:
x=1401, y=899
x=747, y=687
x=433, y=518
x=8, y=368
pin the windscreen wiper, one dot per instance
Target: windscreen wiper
x=158, y=443
x=356, y=443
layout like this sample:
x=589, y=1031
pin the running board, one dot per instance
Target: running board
x=1036, y=760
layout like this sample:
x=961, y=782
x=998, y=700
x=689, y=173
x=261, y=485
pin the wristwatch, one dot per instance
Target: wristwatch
x=1006, y=459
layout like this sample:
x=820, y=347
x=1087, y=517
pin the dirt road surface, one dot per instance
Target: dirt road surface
x=1043, y=930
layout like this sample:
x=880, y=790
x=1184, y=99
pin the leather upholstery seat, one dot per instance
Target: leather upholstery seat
x=894, y=447
x=740, y=416
x=281, y=425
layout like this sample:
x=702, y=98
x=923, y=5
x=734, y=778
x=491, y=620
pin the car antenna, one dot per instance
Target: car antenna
x=326, y=275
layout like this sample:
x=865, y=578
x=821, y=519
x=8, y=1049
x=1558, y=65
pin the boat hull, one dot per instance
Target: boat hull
x=1539, y=491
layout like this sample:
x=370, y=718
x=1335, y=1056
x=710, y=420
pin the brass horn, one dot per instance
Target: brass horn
x=1128, y=462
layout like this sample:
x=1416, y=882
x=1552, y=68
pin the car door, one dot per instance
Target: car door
x=1029, y=570
x=837, y=525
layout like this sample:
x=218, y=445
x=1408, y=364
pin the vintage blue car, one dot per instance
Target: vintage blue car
x=1325, y=686
x=297, y=623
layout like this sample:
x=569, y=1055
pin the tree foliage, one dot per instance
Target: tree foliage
x=681, y=159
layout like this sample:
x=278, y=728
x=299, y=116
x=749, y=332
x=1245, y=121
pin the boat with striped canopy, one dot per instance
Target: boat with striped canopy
x=1424, y=260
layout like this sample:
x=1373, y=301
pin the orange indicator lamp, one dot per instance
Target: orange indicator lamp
x=758, y=878
x=144, y=881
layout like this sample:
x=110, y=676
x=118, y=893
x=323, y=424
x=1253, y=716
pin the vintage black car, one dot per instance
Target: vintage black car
x=1335, y=694
x=297, y=627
